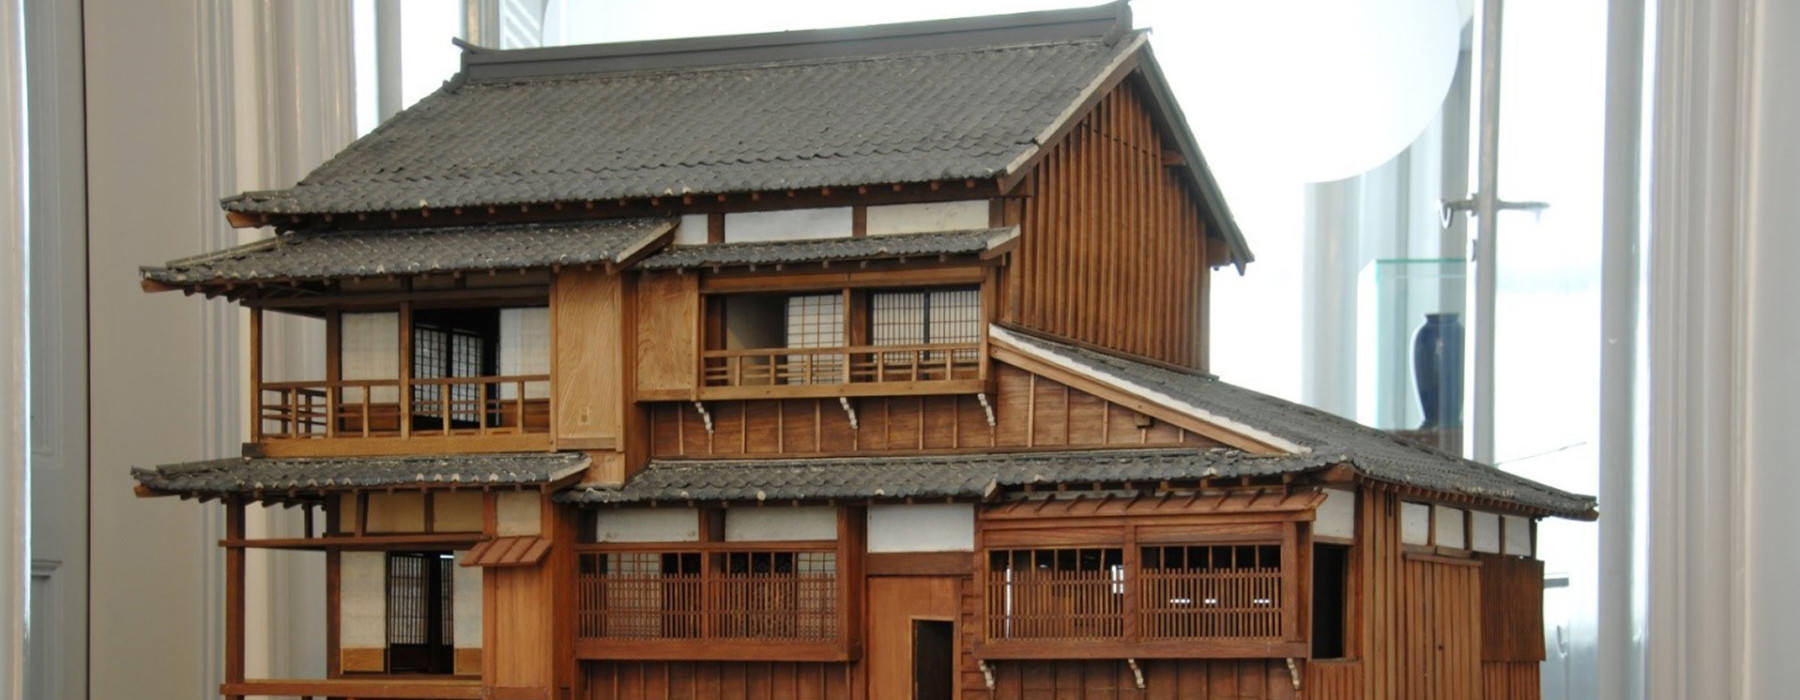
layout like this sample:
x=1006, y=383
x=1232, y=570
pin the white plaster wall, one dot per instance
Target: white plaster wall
x=788, y=225
x=362, y=612
x=691, y=230
x=767, y=524
x=1518, y=535
x=1336, y=517
x=1450, y=527
x=927, y=216
x=1415, y=523
x=939, y=527
x=466, y=605
x=370, y=349
x=647, y=525
x=1486, y=535
x=518, y=513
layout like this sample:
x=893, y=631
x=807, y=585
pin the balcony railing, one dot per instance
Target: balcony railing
x=836, y=371
x=1153, y=612
x=454, y=406
x=645, y=604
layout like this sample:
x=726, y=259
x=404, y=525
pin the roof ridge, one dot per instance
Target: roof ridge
x=1108, y=21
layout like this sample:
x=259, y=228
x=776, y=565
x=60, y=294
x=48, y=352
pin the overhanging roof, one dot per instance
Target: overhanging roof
x=1299, y=429
x=983, y=242
x=254, y=477
x=359, y=253
x=965, y=476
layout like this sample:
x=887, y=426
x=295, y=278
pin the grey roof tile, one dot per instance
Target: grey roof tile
x=918, y=116
x=309, y=255
x=248, y=475
x=936, y=476
x=1375, y=453
x=831, y=249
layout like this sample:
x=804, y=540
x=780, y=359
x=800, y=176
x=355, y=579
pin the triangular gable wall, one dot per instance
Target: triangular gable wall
x=1112, y=250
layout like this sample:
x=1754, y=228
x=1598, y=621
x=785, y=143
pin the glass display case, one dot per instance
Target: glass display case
x=1409, y=336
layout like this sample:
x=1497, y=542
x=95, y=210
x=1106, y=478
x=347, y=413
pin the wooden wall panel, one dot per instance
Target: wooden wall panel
x=1029, y=411
x=1512, y=608
x=668, y=335
x=1440, y=629
x=1164, y=679
x=1333, y=680
x=705, y=680
x=1374, y=626
x=1510, y=680
x=894, y=603
x=1113, y=250
x=588, y=360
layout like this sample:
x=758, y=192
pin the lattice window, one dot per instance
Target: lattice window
x=1211, y=591
x=750, y=595
x=1060, y=593
x=814, y=321
x=440, y=353
x=421, y=625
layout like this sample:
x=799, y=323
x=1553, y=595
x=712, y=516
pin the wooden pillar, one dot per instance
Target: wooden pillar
x=234, y=592
x=256, y=373
x=406, y=370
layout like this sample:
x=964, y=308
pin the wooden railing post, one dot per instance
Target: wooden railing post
x=406, y=369
x=256, y=374
x=234, y=590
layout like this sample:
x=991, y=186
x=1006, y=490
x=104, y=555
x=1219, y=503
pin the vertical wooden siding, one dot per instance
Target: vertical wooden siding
x=1512, y=608
x=1112, y=250
x=1333, y=680
x=1029, y=411
x=1440, y=630
x=1509, y=680
x=1186, y=679
x=1375, y=607
x=722, y=680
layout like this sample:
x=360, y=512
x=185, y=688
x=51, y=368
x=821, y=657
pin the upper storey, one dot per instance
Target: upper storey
x=655, y=124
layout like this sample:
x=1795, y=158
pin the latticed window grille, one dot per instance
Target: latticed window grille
x=420, y=587
x=1211, y=591
x=447, y=353
x=925, y=317
x=753, y=595
x=814, y=321
x=1062, y=593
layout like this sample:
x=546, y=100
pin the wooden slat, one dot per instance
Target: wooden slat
x=406, y=689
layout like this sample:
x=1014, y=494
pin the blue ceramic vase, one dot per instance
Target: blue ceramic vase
x=1438, y=370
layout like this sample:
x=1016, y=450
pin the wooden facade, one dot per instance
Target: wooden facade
x=1195, y=585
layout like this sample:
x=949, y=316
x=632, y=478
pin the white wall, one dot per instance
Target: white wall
x=780, y=523
x=927, y=216
x=647, y=525
x=788, y=225
x=937, y=527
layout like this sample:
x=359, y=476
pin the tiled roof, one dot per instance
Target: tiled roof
x=907, y=245
x=952, y=476
x=1375, y=453
x=945, y=100
x=309, y=255
x=248, y=475
x=903, y=117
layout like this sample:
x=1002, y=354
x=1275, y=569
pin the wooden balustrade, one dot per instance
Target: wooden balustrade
x=444, y=407
x=816, y=368
x=1051, y=599
x=695, y=596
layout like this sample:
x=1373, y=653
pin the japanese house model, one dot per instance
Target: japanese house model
x=864, y=363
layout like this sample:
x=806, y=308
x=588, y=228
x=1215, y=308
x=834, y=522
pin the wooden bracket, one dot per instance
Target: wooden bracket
x=704, y=416
x=987, y=408
x=987, y=673
x=1293, y=672
x=849, y=410
x=1136, y=673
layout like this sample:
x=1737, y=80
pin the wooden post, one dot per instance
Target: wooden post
x=334, y=373
x=234, y=591
x=406, y=369
x=256, y=373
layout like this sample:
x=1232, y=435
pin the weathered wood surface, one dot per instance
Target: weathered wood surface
x=1112, y=250
x=1029, y=412
x=705, y=680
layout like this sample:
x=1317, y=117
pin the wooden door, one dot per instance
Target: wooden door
x=896, y=605
x=1440, y=629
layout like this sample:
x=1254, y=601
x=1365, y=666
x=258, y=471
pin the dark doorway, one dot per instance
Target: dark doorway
x=1330, y=599
x=934, y=659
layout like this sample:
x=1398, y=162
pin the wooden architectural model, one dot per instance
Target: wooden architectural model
x=861, y=363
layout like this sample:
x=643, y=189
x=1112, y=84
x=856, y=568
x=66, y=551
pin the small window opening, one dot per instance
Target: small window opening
x=421, y=625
